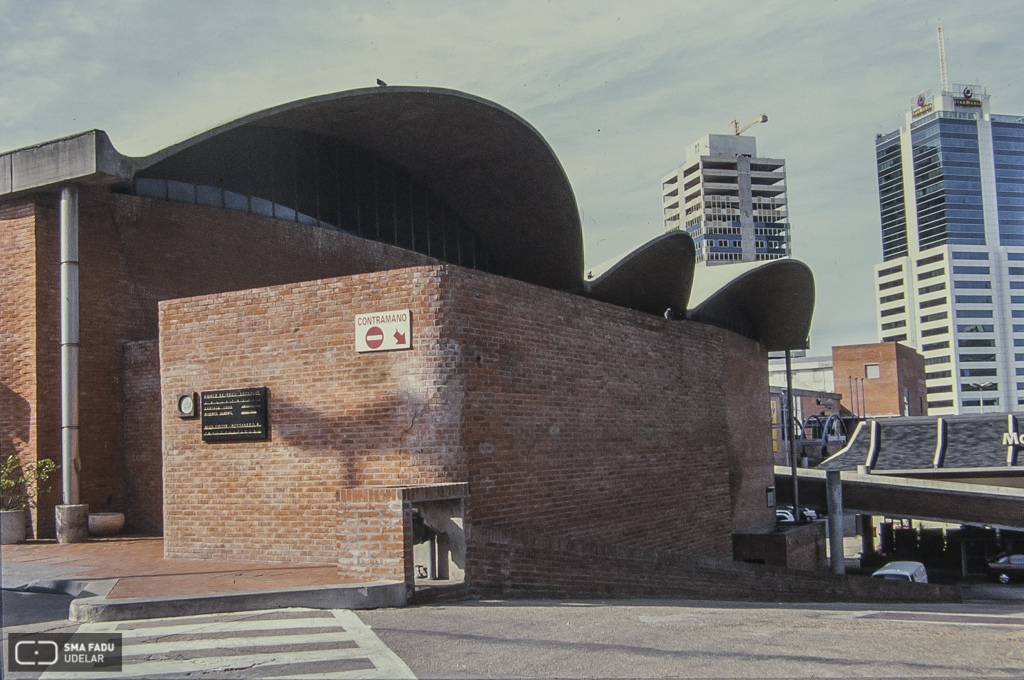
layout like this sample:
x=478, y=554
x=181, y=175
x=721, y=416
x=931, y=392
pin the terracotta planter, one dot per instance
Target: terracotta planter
x=105, y=523
x=12, y=526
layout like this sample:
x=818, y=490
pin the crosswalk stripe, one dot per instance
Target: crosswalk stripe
x=256, y=654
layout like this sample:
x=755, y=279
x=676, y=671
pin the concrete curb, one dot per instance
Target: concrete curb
x=364, y=596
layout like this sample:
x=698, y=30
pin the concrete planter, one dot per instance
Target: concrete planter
x=105, y=523
x=12, y=526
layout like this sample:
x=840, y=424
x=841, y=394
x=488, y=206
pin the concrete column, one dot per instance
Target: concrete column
x=834, y=491
x=867, y=536
x=72, y=518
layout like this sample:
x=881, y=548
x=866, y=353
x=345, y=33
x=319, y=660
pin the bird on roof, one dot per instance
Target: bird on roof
x=381, y=83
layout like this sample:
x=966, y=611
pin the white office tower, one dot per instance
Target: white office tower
x=951, y=189
x=730, y=201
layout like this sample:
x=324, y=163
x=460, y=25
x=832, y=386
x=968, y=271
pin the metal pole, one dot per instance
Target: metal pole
x=863, y=399
x=69, y=342
x=789, y=436
x=834, y=492
x=853, y=400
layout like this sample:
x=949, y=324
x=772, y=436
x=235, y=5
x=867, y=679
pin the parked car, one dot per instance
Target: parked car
x=1007, y=568
x=903, y=571
x=784, y=513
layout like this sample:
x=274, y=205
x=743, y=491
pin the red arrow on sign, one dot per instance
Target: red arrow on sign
x=399, y=338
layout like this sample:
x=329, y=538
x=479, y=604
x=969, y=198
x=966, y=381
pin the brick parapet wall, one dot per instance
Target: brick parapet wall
x=374, y=536
x=506, y=562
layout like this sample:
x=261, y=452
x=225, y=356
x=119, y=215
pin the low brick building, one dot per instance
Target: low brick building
x=522, y=400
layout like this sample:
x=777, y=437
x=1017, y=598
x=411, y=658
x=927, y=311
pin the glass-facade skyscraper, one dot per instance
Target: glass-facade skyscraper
x=951, y=284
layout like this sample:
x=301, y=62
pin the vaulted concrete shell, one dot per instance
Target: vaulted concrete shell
x=485, y=162
x=772, y=304
x=656, y=276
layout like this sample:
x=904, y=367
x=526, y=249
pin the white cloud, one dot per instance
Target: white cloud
x=617, y=89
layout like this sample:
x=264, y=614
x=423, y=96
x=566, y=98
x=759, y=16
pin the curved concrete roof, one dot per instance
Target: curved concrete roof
x=487, y=163
x=652, y=278
x=772, y=304
x=497, y=172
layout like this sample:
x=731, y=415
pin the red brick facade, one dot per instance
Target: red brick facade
x=899, y=368
x=565, y=417
x=134, y=252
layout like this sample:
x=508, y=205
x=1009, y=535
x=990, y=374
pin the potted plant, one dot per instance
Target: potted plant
x=19, y=486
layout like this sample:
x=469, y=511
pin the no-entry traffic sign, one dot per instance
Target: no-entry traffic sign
x=382, y=331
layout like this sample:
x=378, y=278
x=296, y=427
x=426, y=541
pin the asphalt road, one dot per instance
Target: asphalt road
x=618, y=639
x=544, y=639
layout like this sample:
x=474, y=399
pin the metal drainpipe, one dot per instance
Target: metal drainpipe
x=789, y=436
x=69, y=348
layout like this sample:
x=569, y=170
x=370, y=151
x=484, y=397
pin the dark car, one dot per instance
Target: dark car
x=1007, y=568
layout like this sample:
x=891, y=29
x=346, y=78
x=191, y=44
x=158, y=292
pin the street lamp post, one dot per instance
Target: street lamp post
x=981, y=387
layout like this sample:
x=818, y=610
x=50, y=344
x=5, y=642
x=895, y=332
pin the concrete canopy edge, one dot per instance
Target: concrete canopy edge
x=656, y=276
x=772, y=304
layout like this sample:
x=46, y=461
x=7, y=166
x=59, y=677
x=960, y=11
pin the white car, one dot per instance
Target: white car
x=903, y=571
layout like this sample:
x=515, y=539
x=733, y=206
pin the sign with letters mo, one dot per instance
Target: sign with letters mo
x=383, y=331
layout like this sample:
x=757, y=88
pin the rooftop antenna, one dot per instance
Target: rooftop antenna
x=942, y=62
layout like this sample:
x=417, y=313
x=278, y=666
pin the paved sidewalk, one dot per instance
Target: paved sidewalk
x=130, y=573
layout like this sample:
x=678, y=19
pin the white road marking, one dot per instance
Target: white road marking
x=350, y=641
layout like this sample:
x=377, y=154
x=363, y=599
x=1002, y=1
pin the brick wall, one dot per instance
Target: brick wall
x=899, y=367
x=602, y=423
x=564, y=415
x=338, y=419
x=135, y=252
x=144, y=490
x=508, y=563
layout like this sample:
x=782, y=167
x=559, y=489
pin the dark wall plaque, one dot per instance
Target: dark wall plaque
x=235, y=415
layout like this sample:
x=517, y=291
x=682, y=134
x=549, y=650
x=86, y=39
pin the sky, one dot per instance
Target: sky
x=618, y=89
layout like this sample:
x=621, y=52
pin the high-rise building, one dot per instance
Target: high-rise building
x=951, y=192
x=730, y=201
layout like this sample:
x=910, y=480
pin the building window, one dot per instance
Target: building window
x=976, y=270
x=941, y=330
x=931, y=289
x=940, y=404
x=976, y=343
x=932, y=303
x=932, y=346
x=891, y=270
x=891, y=284
x=871, y=371
x=939, y=360
x=895, y=338
x=893, y=310
x=932, y=274
x=894, y=324
x=974, y=328
x=938, y=316
x=938, y=374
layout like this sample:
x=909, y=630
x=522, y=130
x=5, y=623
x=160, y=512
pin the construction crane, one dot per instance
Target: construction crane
x=763, y=118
